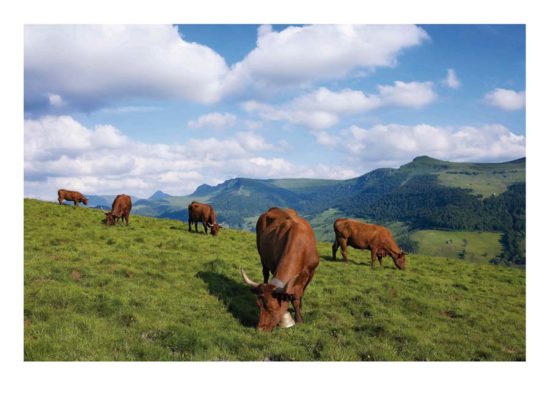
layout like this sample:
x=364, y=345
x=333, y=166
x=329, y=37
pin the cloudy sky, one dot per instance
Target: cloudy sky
x=137, y=108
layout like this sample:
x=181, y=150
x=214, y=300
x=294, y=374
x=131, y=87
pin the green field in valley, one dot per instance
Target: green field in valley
x=154, y=291
x=469, y=246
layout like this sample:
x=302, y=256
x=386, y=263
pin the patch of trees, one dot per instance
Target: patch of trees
x=424, y=203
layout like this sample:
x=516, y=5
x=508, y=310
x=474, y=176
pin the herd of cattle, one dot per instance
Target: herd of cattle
x=287, y=247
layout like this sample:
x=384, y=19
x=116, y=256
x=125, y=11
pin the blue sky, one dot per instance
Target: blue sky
x=111, y=109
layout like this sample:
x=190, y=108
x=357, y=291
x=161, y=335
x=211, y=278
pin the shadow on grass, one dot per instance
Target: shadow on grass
x=328, y=258
x=237, y=297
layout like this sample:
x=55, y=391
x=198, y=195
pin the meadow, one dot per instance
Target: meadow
x=154, y=291
x=469, y=246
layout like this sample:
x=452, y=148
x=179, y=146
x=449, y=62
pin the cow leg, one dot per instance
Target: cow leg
x=334, y=249
x=297, y=304
x=126, y=217
x=75, y=203
x=196, y=226
x=265, y=271
x=343, y=245
x=373, y=255
x=60, y=200
x=205, y=228
x=302, y=282
x=380, y=260
x=189, y=222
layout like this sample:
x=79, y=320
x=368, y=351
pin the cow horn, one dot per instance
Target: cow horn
x=248, y=281
x=288, y=285
x=209, y=225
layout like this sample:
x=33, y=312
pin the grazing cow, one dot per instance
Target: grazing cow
x=288, y=250
x=363, y=236
x=122, y=205
x=202, y=212
x=73, y=196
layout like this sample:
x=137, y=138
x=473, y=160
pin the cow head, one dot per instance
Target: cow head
x=214, y=228
x=84, y=200
x=109, y=218
x=271, y=300
x=400, y=260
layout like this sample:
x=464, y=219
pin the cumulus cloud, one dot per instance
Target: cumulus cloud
x=452, y=80
x=86, y=67
x=509, y=100
x=62, y=153
x=322, y=108
x=412, y=94
x=400, y=143
x=216, y=121
x=301, y=55
x=55, y=100
x=91, y=65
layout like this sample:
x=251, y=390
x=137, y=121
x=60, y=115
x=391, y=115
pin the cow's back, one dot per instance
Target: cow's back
x=121, y=205
x=364, y=235
x=283, y=239
x=199, y=211
x=69, y=195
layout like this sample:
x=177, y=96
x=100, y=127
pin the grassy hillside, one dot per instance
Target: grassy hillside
x=469, y=246
x=153, y=291
x=424, y=194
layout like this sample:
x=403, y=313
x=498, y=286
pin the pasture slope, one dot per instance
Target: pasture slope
x=154, y=291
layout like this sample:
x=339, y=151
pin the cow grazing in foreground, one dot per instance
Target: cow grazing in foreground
x=202, y=212
x=122, y=205
x=287, y=247
x=363, y=236
x=73, y=196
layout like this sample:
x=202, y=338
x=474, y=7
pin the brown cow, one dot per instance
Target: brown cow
x=288, y=250
x=202, y=212
x=122, y=205
x=73, y=196
x=363, y=236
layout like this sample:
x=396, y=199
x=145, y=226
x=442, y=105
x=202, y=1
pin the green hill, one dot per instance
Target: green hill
x=425, y=194
x=153, y=291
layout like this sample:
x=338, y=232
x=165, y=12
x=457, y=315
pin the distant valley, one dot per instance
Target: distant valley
x=425, y=194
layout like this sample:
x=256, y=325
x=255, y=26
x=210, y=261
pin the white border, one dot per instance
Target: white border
x=405, y=376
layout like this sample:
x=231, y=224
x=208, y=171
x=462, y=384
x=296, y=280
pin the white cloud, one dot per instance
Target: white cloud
x=509, y=100
x=91, y=65
x=400, y=143
x=60, y=152
x=322, y=108
x=56, y=100
x=342, y=102
x=216, y=121
x=452, y=80
x=412, y=94
x=302, y=55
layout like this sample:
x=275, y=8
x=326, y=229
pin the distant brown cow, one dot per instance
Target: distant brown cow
x=363, y=236
x=122, y=205
x=73, y=196
x=288, y=250
x=202, y=212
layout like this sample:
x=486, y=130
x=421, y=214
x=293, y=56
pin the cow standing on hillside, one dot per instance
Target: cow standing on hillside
x=363, y=236
x=73, y=196
x=202, y=212
x=287, y=247
x=122, y=205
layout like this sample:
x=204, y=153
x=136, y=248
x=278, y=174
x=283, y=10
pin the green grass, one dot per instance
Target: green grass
x=469, y=246
x=153, y=291
x=485, y=182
